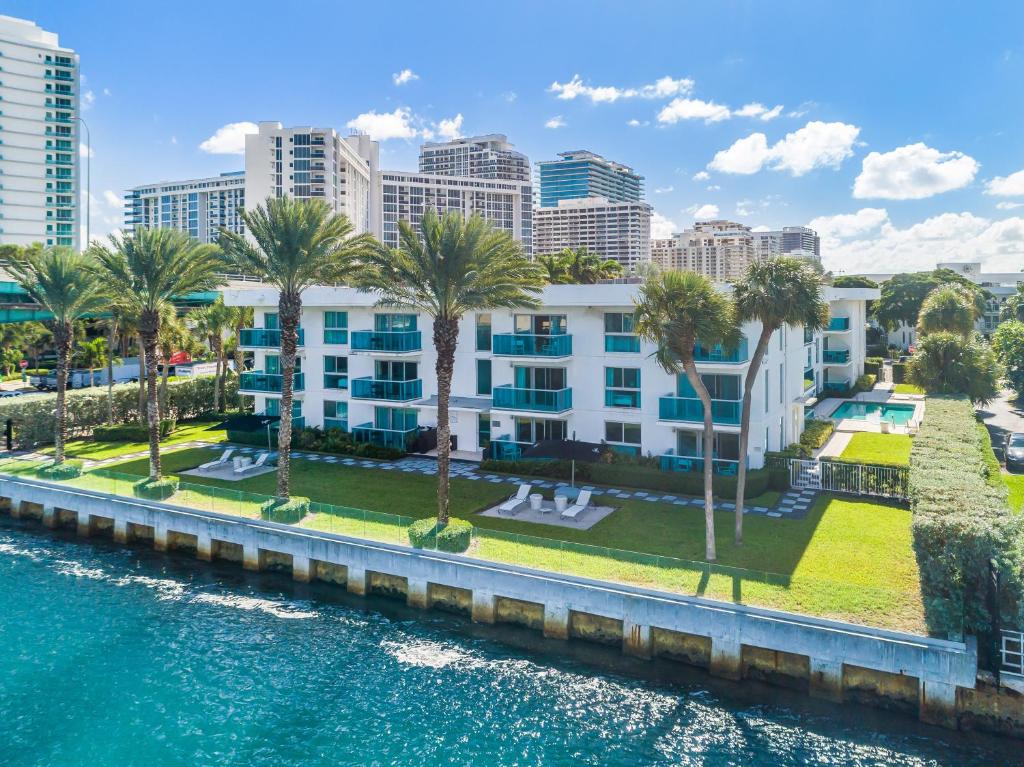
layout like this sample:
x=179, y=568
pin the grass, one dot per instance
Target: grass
x=881, y=449
x=906, y=388
x=97, y=451
x=1015, y=486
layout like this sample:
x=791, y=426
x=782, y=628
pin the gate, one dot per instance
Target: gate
x=853, y=478
x=1011, y=652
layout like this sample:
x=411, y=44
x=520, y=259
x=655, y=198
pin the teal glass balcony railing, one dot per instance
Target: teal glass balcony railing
x=839, y=324
x=622, y=398
x=395, y=391
x=718, y=354
x=539, y=400
x=836, y=356
x=622, y=344
x=531, y=345
x=507, y=449
x=695, y=463
x=258, y=381
x=298, y=422
x=265, y=338
x=836, y=385
x=335, y=380
x=389, y=341
x=396, y=439
x=691, y=409
x=335, y=336
x=341, y=424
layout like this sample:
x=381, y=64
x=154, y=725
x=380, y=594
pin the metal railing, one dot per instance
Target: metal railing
x=852, y=478
x=1011, y=652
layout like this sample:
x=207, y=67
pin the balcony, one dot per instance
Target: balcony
x=628, y=398
x=341, y=424
x=691, y=409
x=622, y=344
x=718, y=354
x=505, y=448
x=808, y=379
x=393, y=391
x=260, y=382
x=836, y=385
x=836, y=356
x=838, y=325
x=695, y=463
x=396, y=439
x=264, y=338
x=335, y=336
x=335, y=381
x=387, y=341
x=531, y=345
x=538, y=400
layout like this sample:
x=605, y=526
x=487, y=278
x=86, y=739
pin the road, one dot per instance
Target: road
x=1002, y=416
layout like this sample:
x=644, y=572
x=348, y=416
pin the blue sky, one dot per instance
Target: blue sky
x=895, y=127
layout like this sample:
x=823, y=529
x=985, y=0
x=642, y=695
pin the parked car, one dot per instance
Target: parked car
x=11, y=393
x=1013, y=450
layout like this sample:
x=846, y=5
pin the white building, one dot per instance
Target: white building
x=572, y=368
x=616, y=230
x=796, y=241
x=200, y=207
x=490, y=156
x=314, y=163
x=39, y=135
x=719, y=249
x=407, y=196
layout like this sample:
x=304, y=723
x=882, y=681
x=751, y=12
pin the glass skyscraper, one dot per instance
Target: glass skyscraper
x=581, y=174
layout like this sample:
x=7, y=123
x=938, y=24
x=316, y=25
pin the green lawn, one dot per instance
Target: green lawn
x=1015, y=484
x=884, y=449
x=96, y=451
x=906, y=388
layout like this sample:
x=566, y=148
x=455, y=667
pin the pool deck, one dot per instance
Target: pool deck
x=883, y=396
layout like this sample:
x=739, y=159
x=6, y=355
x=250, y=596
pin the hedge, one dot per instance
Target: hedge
x=961, y=521
x=33, y=415
x=159, y=490
x=632, y=474
x=287, y=512
x=132, y=432
x=899, y=372
x=816, y=434
x=454, y=537
x=67, y=470
x=873, y=365
x=312, y=438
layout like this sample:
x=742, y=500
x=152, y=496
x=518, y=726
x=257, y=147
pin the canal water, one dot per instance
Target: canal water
x=113, y=656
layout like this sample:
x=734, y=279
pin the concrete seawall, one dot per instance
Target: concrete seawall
x=827, y=659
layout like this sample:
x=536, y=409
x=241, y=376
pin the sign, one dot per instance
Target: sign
x=23, y=364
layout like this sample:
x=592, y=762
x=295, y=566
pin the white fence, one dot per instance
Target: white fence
x=1011, y=651
x=854, y=478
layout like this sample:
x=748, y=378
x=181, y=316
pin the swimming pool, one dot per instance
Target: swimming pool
x=865, y=411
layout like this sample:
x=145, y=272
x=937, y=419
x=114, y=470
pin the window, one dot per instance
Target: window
x=335, y=415
x=270, y=321
x=394, y=370
x=335, y=327
x=622, y=433
x=622, y=387
x=548, y=379
x=536, y=429
x=483, y=377
x=540, y=324
x=335, y=372
x=394, y=322
x=782, y=383
x=725, y=387
x=619, y=330
x=483, y=332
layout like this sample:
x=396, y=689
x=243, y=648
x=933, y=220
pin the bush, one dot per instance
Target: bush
x=132, y=432
x=899, y=372
x=286, y=512
x=159, y=490
x=816, y=434
x=454, y=537
x=865, y=382
x=873, y=366
x=316, y=439
x=66, y=470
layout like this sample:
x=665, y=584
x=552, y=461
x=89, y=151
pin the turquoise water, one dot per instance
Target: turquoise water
x=123, y=657
x=860, y=411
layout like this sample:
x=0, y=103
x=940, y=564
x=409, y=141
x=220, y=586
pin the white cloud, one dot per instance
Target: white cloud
x=229, y=139
x=662, y=227
x=849, y=224
x=1009, y=205
x=913, y=172
x=663, y=88
x=84, y=150
x=450, y=129
x=693, y=109
x=634, y=123
x=113, y=199
x=743, y=207
x=703, y=211
x=1007, y=186
x=88, y=99
x=761, y=228
x=816, y=145
x=760, y=111
x=174, y=139
x=106, y=92
x=385, y=125
x=107, y=215
x=405, y=76
x=701, y=175
x=555, y=122
x=510, y=96
x=663, y=189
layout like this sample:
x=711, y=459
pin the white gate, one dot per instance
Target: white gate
x=854, y=478
x=805, y=475
x=1011, y=651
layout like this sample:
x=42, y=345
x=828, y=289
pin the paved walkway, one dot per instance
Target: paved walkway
x=1003, y=416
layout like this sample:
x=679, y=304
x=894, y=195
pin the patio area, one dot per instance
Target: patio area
x=236, y=468
x=548, y=511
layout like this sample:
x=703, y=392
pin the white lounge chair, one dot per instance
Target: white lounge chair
x=517, y=500
x=582, y=502
x=260, y=461
x=223, y=460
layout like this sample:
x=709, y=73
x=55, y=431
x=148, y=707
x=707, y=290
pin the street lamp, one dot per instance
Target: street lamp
x=88, y=189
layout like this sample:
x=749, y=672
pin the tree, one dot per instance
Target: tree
x=212, y=323
x=63, y=283
x=1013, y=307
x=298, y=244
x=857, y=281
x=1008, y=343
x=948, y=363
x=903, y=294
x=174, y=336
x=241, y=317
x=775, y=291
x=949, y=308
x=450, y=267
x=585, y=268
x=675, y=310
x=554, y=269
x=91, y=355
x=144, y=271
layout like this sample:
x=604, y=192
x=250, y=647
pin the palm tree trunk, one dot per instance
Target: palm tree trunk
x=223, y=360
x=149, y=324
x=289, y=310
x=62, y=340
x=748, y=390
x=446, y=338
x=709, y=450
x=143, y=372
x=164, y=376
x=110, y=371
x=218, y=383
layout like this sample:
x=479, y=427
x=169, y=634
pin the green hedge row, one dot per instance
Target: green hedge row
x=287, y=512
x=961, y=521
x=899, y=372
x=160, y=490
x=132, y=432
x=67, y=470
x=816, y=434
x=873, y=366
x=312, y=438
x=454, y=537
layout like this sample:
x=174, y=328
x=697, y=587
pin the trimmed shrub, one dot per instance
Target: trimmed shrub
x=816, y=434
x=454, y=537
x=132, y=432
x=160, y=490
x=899, y=372
x=312, y=438
x=286, y=511
x=865, y=382
x=873, y=365
x=66, y=470
x=993, y=469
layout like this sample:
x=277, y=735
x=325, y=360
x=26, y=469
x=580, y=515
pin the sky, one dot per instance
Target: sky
x=894, y=128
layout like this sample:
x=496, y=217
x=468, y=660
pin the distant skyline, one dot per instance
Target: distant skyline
x=892, y=128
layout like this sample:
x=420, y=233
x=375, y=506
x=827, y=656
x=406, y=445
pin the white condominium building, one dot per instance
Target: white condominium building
x=200, y=207
x=616, y=230
x=490, y=156
x=572, y=368
x=797, y=241
x=314, y=163
x=39, y=135
x=719, y=249
x=407, y=196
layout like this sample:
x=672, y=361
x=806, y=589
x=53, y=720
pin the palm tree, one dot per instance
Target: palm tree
x=1013, y=308
x=554, y=269
x=298, y=244
x=61, y=281
x=144, y=271
x=775, y=291
x=212, y=322
x=450, y=267
x=240, y=318
x=948, y=308
x=675, y=310
x=586, y=268
x=174, y=336
x=91, y=355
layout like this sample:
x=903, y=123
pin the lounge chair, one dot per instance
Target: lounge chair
x=222, y=461
x=517, y=500
x=259, y=463
x=582, y=502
